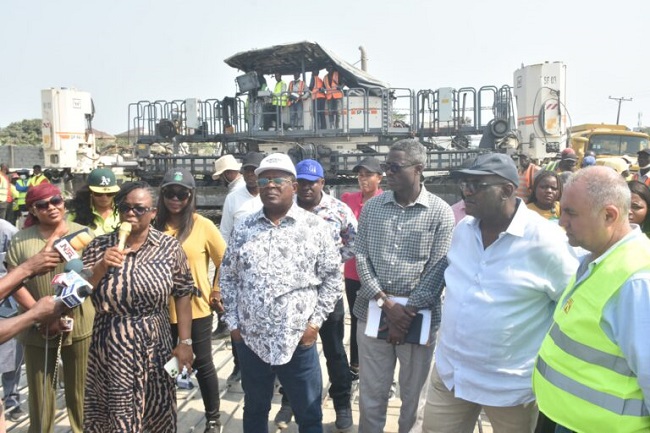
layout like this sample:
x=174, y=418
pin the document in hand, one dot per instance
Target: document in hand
x=418, y=333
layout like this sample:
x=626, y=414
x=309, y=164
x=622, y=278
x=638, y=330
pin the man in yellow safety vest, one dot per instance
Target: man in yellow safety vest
x=593, y=369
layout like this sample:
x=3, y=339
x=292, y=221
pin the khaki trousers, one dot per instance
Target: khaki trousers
x=75, y=359
x=444, y=413
x=377, y=360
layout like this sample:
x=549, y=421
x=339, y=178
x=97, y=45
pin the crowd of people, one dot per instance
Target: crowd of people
x=526, y=301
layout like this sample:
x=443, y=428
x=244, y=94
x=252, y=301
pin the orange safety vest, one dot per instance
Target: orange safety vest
x=316, y=92
x=332, y=86
x=300, y=91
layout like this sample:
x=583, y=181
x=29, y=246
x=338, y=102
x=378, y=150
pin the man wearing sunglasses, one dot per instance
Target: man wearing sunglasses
x=507, y=268
x=400, y=248
x=280, y=279
x=310, y=196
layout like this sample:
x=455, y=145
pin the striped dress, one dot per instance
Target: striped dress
x=127, y=389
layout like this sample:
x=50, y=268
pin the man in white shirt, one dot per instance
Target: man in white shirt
x=243, y=200
x=507, y=268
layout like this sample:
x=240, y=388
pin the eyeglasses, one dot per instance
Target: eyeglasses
x=102, y=194
x=43, y=205
x=181, y=195
x=473, y=186
x=137, y=210
x=393, y=166
x=263, y=182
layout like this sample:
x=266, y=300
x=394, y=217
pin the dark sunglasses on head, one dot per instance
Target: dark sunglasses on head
x=393, y=167
x=55, y=201
x=101, y=194
x=179, y=194
x=138, y=210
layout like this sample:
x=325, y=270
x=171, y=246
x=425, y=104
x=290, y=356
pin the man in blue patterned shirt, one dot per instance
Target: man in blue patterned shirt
x=310, y=196
x=401, y=249
x=280, y=279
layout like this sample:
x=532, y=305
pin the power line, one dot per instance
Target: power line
x=620, y=100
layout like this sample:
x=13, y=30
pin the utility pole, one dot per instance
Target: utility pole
x=621, y=99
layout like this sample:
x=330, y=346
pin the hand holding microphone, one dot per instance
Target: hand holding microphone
x=123, y=234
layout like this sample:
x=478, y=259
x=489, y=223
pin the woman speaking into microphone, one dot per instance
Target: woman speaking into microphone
x=46, y=220
x=128, y=389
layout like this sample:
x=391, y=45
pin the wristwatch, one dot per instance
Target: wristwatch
x=381, y=301
x=187, y=341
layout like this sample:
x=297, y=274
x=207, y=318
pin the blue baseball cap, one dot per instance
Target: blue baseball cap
x=310, y=170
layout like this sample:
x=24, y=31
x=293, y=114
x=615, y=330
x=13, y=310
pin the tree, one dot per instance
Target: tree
x=27, y=131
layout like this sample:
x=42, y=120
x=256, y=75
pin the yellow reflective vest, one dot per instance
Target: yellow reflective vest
x=280, y=96
x=581, y=379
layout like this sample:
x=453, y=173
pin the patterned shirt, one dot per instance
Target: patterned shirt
x=402, y=251
x=276, y=279
x=339, y=216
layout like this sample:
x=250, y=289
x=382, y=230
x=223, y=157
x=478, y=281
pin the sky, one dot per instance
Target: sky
x=124, y=51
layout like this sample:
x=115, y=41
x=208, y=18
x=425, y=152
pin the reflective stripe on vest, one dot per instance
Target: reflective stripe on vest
x=317, y=85
x=332, y=86
x=21, y=194
x=620, y=406
x=582, y=380
x=280, y=96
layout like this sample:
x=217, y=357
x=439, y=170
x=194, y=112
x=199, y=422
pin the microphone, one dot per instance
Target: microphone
x=71, y=287
x=123, y=233
x=67, y=246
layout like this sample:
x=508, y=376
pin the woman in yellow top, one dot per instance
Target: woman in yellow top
x=202, y=242
x=545, y=198
x=93, y=205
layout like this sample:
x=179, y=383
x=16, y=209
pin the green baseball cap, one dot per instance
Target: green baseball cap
x=102, y=180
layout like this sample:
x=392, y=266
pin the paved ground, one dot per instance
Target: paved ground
x=190, y=405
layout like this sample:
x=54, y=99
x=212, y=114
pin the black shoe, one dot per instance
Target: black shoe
x=283, y=417
x=343, y=418
x=212, y=427
x=15, y=414
x=221, y=332
x=234, y=380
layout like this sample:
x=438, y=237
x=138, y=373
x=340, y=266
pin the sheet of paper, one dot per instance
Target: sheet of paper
x=374, y=318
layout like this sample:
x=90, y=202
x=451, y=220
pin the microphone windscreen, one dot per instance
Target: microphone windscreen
x=74, y=265
x=81, y=240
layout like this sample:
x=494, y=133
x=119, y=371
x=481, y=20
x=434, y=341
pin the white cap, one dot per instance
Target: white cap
x=276, y=161
x=226, y=162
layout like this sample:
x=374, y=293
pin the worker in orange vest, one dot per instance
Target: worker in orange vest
x=296, y=95
x=317, y=89
x=334, y=97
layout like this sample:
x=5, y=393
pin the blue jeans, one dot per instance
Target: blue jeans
x=302, y=382
x=562, y=429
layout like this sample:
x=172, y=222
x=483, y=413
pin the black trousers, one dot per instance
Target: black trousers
x=206, y=373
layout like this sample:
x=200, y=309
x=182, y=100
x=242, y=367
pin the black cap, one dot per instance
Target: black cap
x=252, y=159
x=492, y=163
x=646, y=151
x=370, y=163
x=178, y=176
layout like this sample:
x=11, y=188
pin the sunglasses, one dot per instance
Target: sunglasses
x=393, y=167
x=138, y=210
x=473, y=186
x=263, y=182
x=181, y=195
x=43, y=205
x=101, y=194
